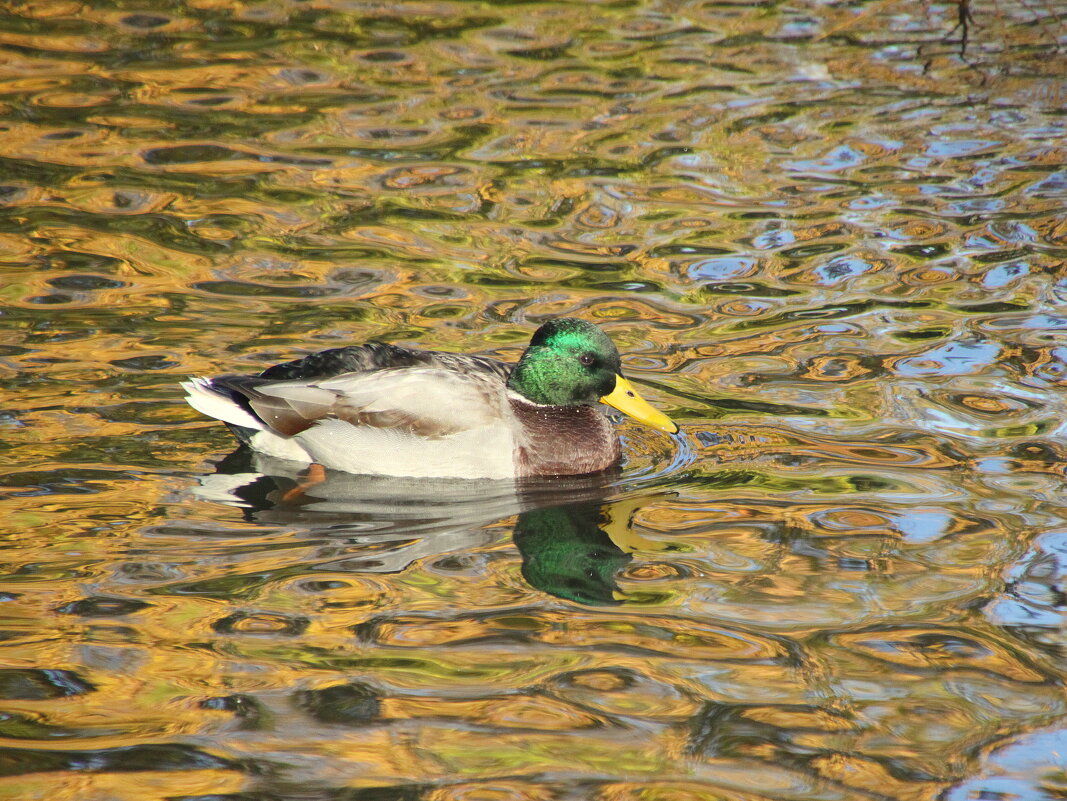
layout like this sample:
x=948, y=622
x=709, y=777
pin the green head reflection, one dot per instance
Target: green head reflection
x=575, y=551
x=566, y=553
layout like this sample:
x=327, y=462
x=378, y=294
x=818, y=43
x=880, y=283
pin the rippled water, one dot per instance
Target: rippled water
x=830, y=240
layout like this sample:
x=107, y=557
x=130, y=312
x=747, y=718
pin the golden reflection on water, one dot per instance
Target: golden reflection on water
x=829, y=241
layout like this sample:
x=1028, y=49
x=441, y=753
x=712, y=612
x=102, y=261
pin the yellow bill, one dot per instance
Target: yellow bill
x=625, y=398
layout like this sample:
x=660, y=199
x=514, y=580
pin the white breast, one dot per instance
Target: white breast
x=483, y=452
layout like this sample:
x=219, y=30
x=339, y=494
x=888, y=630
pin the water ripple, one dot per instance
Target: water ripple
x=828, y=243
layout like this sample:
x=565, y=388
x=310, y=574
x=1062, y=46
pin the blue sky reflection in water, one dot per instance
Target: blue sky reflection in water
x=829, y=240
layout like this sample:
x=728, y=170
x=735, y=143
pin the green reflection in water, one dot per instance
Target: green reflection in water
x=828, y=240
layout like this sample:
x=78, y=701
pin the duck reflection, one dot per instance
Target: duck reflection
x=574, y=534
x=574, y=551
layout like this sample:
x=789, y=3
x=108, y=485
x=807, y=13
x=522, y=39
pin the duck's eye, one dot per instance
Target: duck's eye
x=587, y=359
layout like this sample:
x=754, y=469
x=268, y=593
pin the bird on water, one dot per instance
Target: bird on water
x=388, y=410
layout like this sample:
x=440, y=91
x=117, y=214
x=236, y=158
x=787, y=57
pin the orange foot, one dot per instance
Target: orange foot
x=316, y=474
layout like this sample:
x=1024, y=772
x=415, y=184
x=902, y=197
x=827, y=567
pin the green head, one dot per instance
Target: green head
x=569, y=363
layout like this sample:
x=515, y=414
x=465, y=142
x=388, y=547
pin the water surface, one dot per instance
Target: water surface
x=829, y=240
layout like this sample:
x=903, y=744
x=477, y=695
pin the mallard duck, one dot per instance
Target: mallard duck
x=387, y=410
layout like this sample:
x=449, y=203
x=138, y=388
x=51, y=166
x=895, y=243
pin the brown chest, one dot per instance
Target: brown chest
x=563, y=440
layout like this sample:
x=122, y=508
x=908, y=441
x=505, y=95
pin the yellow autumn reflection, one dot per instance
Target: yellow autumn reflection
x=828, y=241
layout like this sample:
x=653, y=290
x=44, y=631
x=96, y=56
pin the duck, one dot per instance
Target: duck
x=387, y=410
